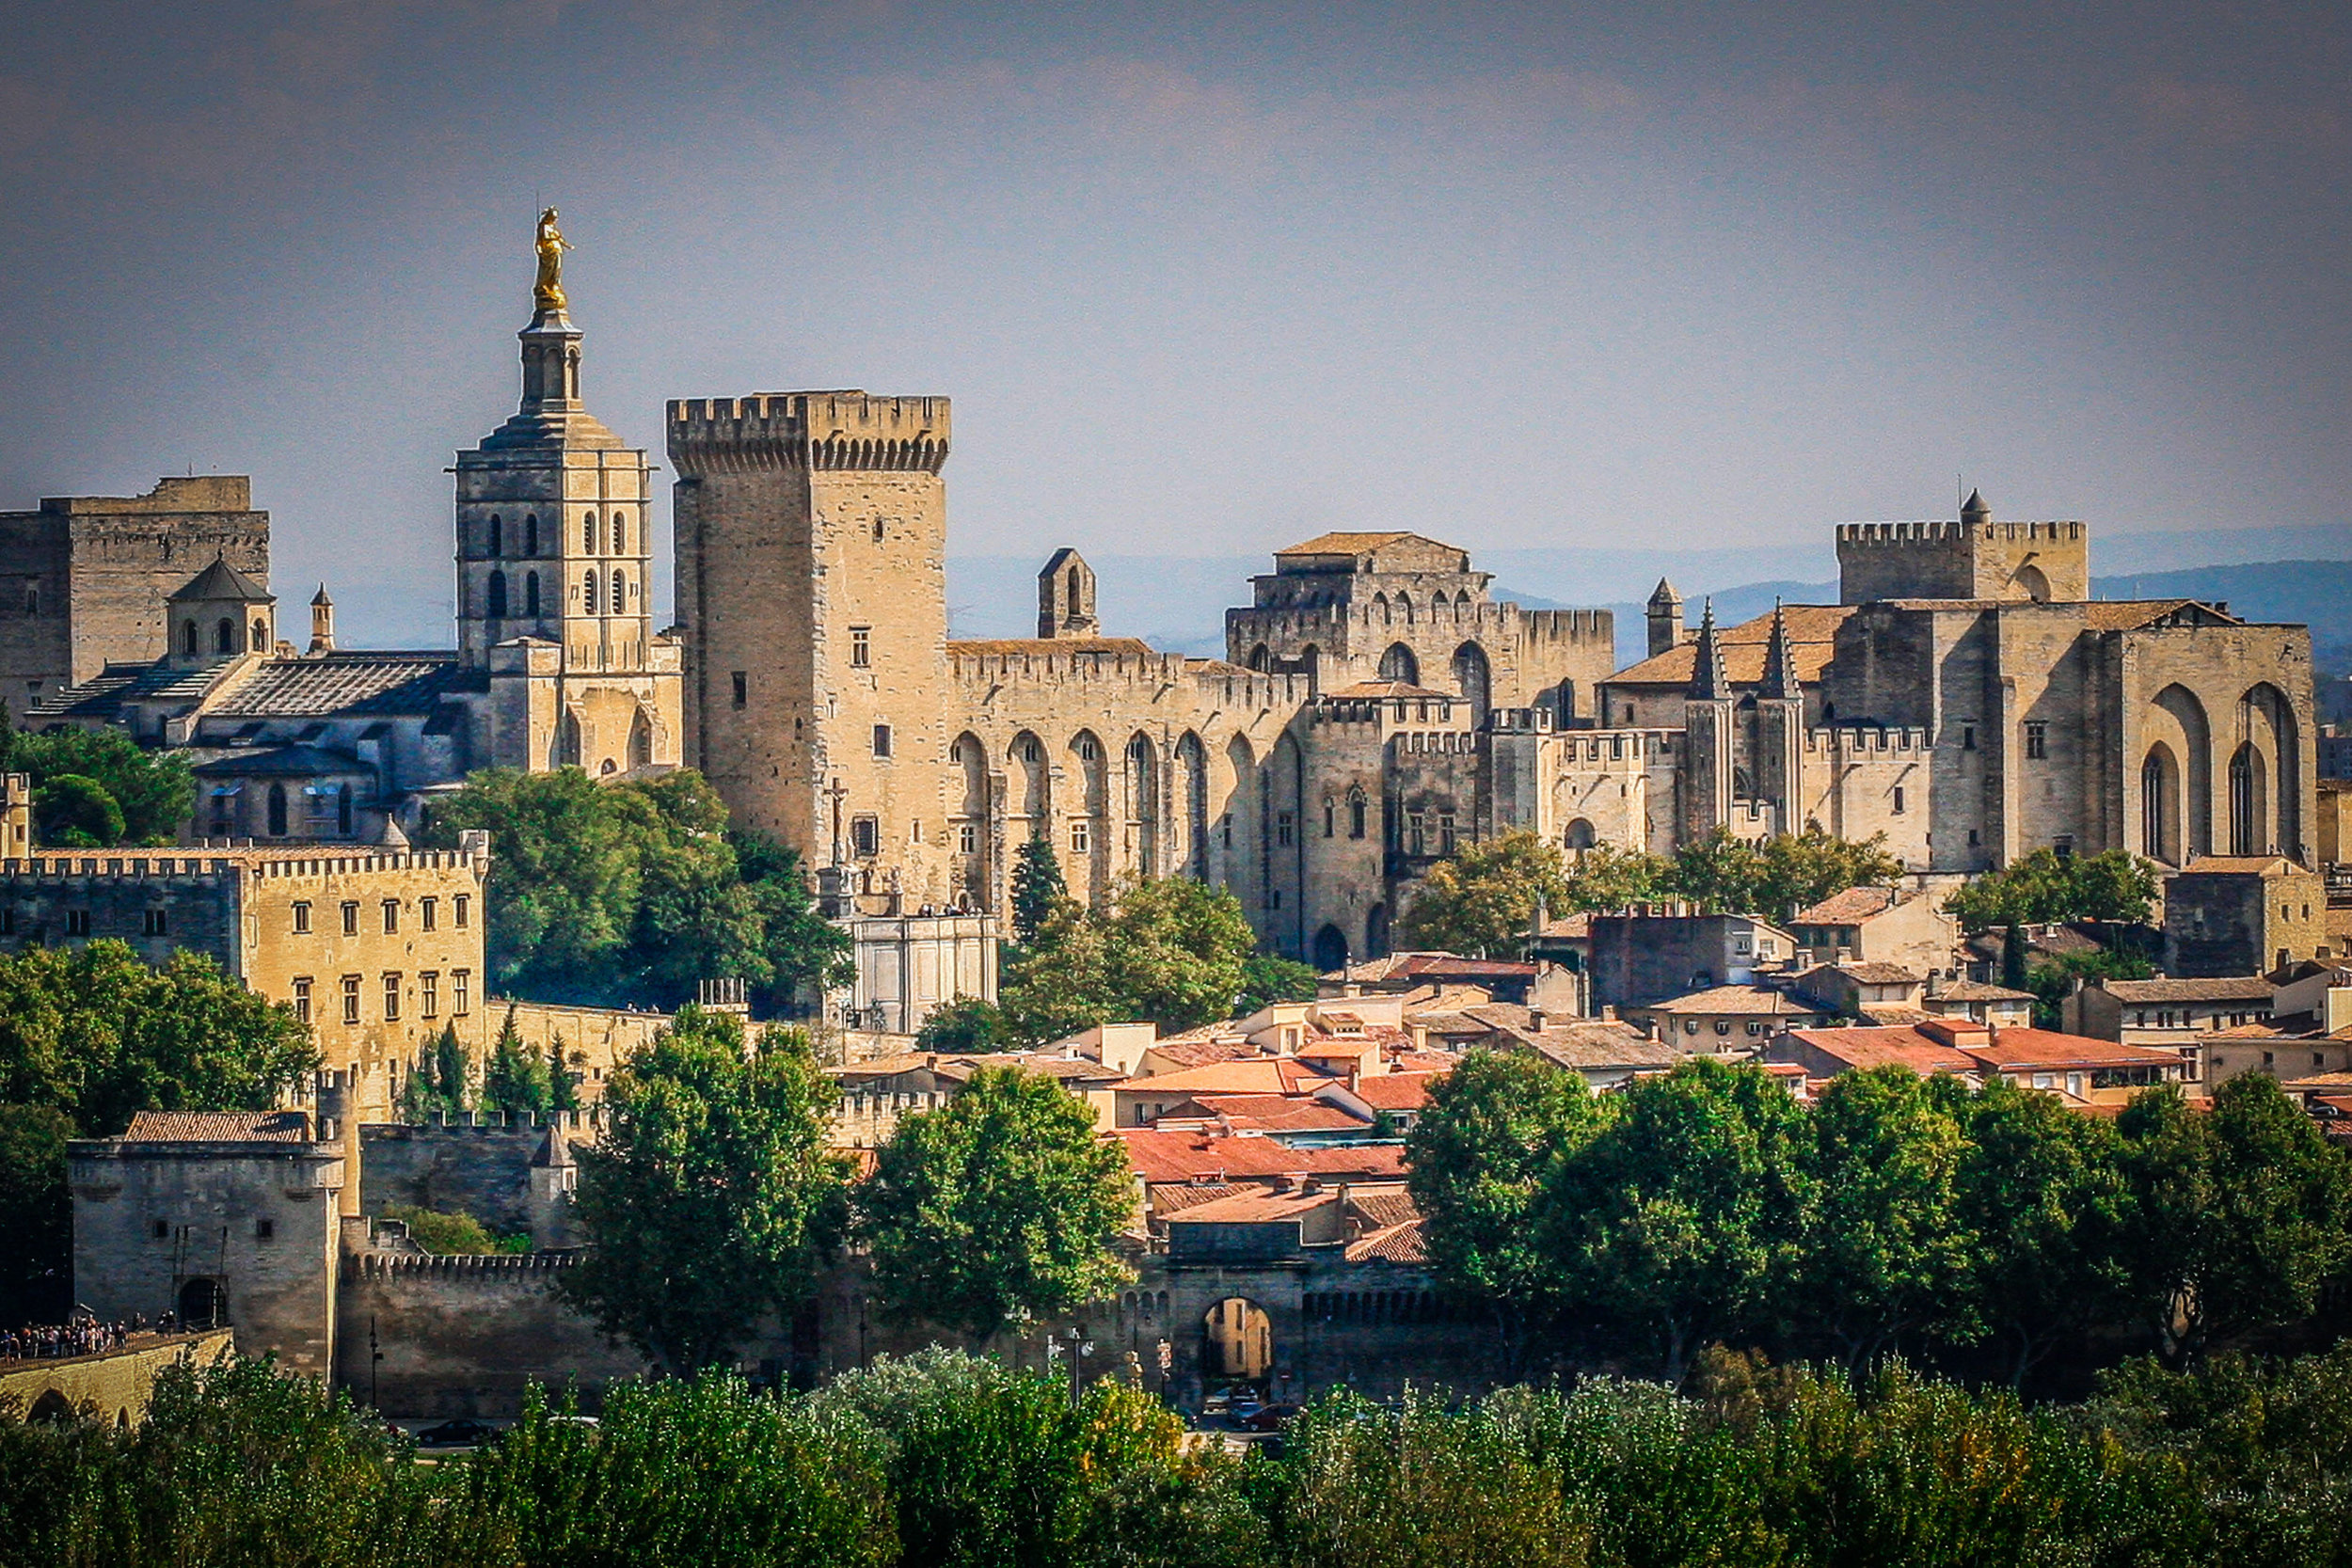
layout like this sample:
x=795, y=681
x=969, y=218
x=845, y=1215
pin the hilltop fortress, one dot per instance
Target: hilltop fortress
x=1376, y=707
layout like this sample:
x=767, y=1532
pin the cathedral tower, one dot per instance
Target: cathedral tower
x=554, y=570
x=811, y=534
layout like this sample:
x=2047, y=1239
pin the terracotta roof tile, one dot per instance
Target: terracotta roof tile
x=1812, y=636
x=173, y=1127
x=1849, y=908
x=2232, y=988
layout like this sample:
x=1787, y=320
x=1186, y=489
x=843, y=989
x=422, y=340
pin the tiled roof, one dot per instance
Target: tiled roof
x=2230, y=988
x=1976, y=991
x=1201, y=1052
x=1762, y=1001
x=1880, y=974
x=1382, y=691
x=2132, y=614
x=1861, y=1049
x=2015, y=1050
x=1399, y=1243
x=1342, y=544
x=1380, y=1208
x=174, y=1127
x=104, y=695
x=346, y=682
x=1413, y=966
x=2321, y=1080
x=1812, y=639
x=1173, y=1155
x=1395, y=1091
x=1601, y=1043
x=1256, y=1206
x=1274, y=1113
x=1849, y=908
x=2261, y=865
x=220, y=581
x=1247, y=1075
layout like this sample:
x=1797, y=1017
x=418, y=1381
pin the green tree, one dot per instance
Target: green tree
x=2040, y=1188
x=1798, y=871
x=2052, y=980
x=1169, y=950
x=1267, y=979
x=72, y=810
x=452, y=1070
x=452, y=1235
x=2238, y=1214
x=2115, y=886
x=1476, y=1159
x=1037, y=887
x=154, y=791
x=1721, y=874
x=714, y=1198
x=563, y=1078
x=997, y=1208
x=963, y=1025
x=515, y=1077
x=1884, y=1252
x=1482, y=898
x=35, y=1215
x=1678, y=1223
x=95, y=1032
x=1606, y=877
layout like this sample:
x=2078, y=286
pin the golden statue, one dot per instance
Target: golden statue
x=547, y=294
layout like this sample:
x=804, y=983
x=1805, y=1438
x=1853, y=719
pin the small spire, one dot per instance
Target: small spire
x=1664, y=593
x=1780, y=661
x=1974, y=509
x=1708, y=684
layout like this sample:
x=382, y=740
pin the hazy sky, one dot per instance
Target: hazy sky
x=1205, y=278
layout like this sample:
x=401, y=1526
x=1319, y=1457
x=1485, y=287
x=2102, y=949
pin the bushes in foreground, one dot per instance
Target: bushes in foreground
x=946, y=1460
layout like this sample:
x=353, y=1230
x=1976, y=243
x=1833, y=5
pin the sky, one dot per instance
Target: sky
x=1202, y=279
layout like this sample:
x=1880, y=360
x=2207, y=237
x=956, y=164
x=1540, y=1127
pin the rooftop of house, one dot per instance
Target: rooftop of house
x=1849, y=908
x=1434, y=966
x=1395, y=1091
x=1878, y=975
x=1900, y=1046
x=1976, y=991
x=1271, y=1114
x=1756, y=1001
x=2018, y=1050
x=1242, y=1075
x=1181, y=1155
x=2228, y=987
x=2239, y=865
x=218, y=1127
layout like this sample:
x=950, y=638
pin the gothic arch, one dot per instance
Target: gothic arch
x=1192, y=785
x=640, y=738
x=1261, y=658
x=1404, y=606
x=2180, y=721
x=1085, y=761
x=1282, y=831
x=1236, y=847
x=2269, y=722
x=1473, y=678
x=2249, y=820
x=1330, y=949
x=568, y=740
x=1399, y=663
x=2035, y=583
x=1029, y=767
x=2160, y=806
x=1376, y=932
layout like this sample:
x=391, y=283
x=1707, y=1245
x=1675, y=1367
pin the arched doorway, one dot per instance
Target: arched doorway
x=203, y=1304
x=1579, y=834
x=1330, y=949
x=1238, y=1345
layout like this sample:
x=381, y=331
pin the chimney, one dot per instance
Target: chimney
x=1535, y=1019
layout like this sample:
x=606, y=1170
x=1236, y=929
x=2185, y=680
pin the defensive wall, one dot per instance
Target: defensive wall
x=113, y=1385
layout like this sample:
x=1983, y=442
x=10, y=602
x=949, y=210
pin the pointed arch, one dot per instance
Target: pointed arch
x=640, y=738
x=1404, y=606
x=2247, y=815
x=2160, y=806
x=1399, y=663
x=1261, y=658
x=1030, y=768
x=2180, y=721
x=1473, y=678
x=1192, y=799
x=1330, y=949
x=2270, y=723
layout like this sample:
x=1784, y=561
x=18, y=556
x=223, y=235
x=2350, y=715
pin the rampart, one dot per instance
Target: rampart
x=846, y=430
x=112, y=1385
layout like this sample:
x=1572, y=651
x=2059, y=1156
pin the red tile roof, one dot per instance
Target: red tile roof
x=1164, y=1155
x=1863, y=1049
x=1397, y=1091
x=243, y=1127
x=2016, y=1049
x=1849, y=908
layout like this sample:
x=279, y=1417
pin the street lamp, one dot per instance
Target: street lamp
x=1080, y=1348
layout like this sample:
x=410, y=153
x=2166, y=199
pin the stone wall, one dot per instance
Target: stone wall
x=481, y=1165
x=115, y=1387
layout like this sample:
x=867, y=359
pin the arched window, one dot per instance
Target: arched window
x=278, y=811
x=497, y=596
x=2158, y=814
x=225, y=636
x=1330, y=949
x=588, y=592
x=1356, y=813
x=1398, y=664
x=188, y=638
x=531, y=593
x=588, y=533
x=498, y=536
x=620, y=534
x=2246, y=803
x=531, y=535
x=261, y=634
x=620, y=593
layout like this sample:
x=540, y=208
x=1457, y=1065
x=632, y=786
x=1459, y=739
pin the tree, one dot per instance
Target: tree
x=997, y=1208
x=154, y=791
x=2115, y=886
x=1676, y=1225
x=515, y=1077
x=714, y=1198
x=562, y=1081
x=1038, y=888
x=1798, y=871
x=1476, y=1161
x=1884, y=1250
x=2052, y=980
x=453, y=1070
x=964, y=1026
x=634, y=891
x=1167, y=949
x=96, y=1034
x=1267, y=979
x=1482, y=898
x=2041, y=1190
x=1606, y=877
x=1718, y=872
x=35, y=1215
x=72, y=810
x=2238, y=1214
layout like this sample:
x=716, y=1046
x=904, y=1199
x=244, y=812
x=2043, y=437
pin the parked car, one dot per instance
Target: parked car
x=1269, y=1417
x=457, y=1433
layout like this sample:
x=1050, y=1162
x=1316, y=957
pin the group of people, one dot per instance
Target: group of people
x=79, y=1337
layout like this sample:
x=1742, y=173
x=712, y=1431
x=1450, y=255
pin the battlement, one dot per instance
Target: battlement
x=446, y=1264
x=843, y=431
x=1946, y=531
x=1874, y=740
x=1570, y=625
x=1450, y=743
x=1520, y=721
x=1595, y=746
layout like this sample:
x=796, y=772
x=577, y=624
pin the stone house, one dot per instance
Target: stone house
x=1879, y=925
x=2169, y=1013
x=1640, y=959
x=1726, y=1018
x=2243, y=914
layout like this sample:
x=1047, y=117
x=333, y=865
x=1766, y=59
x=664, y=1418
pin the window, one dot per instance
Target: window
x=302, y=998
x=351, y=999
x=155, y=923
x=162, y=1231
x=1690, y=1025
x=1330, y=816
x=302, y=917
x=391, y=998
x=1722, y=1027
x=458, y=983
x=620, y=592
x=1416, y=834
x=498, y=535
x=588, y=593
x=224, y=637
x=429, y=913
x=1973, y=839
x=77, y=923
x=391, y=916
x=1445, y=833
x=1282, y=828
x=2037, y=738
x=531, y=593
x=188, y=638
x=620, y=533
x=861, y=647
x=588, y=533
x=458, y=905
x=351, y=920
x=265, y=1228
x=1355, y=813
x=878, y=532
x=429, y=995
x=864, y=835
x=1899, y=800
x=1088, y=750
x=881, y=740
x=531, y=535
x=742, y=687
x=1968, y=738
x=497, y=607
x=1081, y=836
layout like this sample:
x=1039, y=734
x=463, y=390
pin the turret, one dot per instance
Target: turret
x=1780, y=662
x=1665, y=618
x=321, y=622
x=1065, y=597
x=218, y=614
x=1708, y=684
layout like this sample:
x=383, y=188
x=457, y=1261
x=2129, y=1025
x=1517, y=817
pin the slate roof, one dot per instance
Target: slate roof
x=104, y=695
x=347, y=683
x=220, y=581
x=291, y=762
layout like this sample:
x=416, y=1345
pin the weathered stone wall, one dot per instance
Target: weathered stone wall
x=2229, y=922
x=468, y=1336
x=157, y=901
x=480, y=1165
x=114, y=1386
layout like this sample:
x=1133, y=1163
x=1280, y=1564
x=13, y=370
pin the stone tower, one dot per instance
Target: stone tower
x=1065, y=597
x=1780, y=730
x=321, y=622
x=219, y=614
x=554, y=560
x=1665, y=617
x=1708, y=738
x=811, y=531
